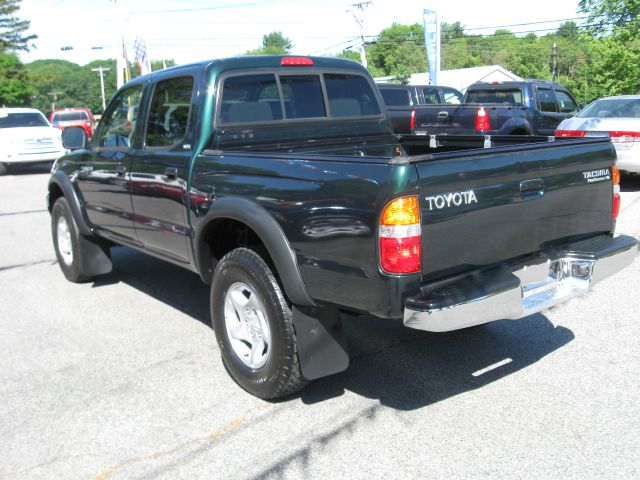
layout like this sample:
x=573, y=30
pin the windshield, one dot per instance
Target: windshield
x=612, y=108
x=70, y=116
x=26, y=119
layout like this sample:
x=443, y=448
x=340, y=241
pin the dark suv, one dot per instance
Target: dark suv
x=402, y=99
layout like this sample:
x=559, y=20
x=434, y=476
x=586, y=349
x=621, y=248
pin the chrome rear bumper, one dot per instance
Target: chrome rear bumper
x=519, y=289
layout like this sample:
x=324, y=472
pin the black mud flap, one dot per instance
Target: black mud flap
x=321, y=342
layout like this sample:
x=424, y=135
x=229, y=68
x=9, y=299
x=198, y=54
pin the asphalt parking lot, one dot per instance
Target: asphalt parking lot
x=121, y=378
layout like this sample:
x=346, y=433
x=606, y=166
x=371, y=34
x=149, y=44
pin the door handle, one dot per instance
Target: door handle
x=171, y=172
x=531, y=187
x=443, y=114
x=121, y=170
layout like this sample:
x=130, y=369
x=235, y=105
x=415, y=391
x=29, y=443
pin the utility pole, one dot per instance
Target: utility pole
x=120, y=60
x=101, y=69
x=54, y=99
x=554, y=63
x=359, y=18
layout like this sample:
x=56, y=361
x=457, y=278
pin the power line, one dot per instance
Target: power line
x=523, y=24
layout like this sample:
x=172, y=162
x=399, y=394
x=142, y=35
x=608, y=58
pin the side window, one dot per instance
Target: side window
x=169, y=112
x=250, y=98
x=430, y=95
x=306, y=99
x=547, y=100
x=566, y=104
x=119, y=122
x=449, y=95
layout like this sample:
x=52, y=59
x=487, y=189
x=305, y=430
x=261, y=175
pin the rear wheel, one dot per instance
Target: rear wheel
x=254, y=326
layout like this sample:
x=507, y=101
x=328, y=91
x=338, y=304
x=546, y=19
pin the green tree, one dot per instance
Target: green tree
x=12, y=30
x=349, y=54
x=64, y=83
x=15, y=90
x=617, y=17
x=274, y=43
x=456, y=48
x=614, y=69
x=399, y=51
x=568, y=30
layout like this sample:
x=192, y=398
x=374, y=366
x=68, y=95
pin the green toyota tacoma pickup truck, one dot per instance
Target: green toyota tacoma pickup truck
x=279, y=181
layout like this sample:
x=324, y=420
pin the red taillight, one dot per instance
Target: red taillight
x=624, y=137
x=482, y=120
x=296, y=61
x=570, y=133
x=615, y=211
x=615, y=207
x=412, y=124
x=400, y=236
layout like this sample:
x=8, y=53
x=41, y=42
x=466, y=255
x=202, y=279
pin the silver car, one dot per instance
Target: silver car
x=616, y=117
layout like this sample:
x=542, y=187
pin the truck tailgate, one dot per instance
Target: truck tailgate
x=482, y=207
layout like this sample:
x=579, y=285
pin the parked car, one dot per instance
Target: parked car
x=615, y=117
x=26, y=137
x=401, y=101
x=73, y=117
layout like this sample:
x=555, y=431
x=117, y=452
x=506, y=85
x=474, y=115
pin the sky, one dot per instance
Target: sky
x=193, y=30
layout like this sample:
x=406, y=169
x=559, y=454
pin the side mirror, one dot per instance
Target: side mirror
x=74, y=138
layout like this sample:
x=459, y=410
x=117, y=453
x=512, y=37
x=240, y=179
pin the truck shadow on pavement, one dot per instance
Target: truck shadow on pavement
x=404, y=369
x=172, y=285
x=409, y=369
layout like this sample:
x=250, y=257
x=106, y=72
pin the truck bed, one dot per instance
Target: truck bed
x=526, y=197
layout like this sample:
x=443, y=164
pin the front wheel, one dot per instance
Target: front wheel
x=80, y=258
x=254, y=326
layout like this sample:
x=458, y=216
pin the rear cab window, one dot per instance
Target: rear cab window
x=396, y=97
x=495, y=95
x=255, y=98
x=70, y=116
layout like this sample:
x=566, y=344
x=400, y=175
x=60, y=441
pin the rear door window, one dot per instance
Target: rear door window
x=547, y=100
x=430, y=95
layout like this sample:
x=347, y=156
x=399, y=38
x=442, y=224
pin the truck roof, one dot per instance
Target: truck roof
x=263, y=61
x=516, y=83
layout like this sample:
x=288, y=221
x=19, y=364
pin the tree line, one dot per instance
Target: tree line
x=598, y=58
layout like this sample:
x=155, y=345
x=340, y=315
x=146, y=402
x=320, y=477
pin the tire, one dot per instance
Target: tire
x=254, y=326
x=3, y=169
x=80, y=258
